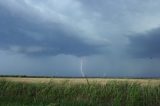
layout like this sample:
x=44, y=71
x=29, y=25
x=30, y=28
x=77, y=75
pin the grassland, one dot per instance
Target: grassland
x=76, y=92
x=152, y=82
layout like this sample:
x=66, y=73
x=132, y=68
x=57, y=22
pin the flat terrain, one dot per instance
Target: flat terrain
x=15, y=91
x=82, y=80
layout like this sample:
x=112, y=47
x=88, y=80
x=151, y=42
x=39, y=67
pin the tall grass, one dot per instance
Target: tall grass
x=53, y=94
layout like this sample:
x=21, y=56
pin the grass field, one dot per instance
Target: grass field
x=152, y=82
x=76, y=92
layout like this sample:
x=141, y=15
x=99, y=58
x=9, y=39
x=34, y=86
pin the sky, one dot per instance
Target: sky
x=52, y=37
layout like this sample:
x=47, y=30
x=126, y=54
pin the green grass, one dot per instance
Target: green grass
x=53, y=94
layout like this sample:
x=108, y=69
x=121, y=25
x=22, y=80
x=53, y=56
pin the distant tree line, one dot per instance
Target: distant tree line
x=26, y=76
x=115, y=77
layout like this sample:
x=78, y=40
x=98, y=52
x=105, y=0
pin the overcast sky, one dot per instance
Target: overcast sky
x=51, y=37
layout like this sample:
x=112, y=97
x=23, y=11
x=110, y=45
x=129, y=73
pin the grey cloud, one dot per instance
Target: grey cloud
x=61, y=32
x=124, y=16
x=145, y=45
x=37, y=38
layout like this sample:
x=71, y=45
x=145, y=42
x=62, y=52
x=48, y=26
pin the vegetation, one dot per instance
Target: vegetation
x=111, y=77
x=65, y=94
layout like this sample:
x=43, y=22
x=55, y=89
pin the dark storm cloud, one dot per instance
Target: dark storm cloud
x=61, y=32
x=37, y=38
x=146, y=45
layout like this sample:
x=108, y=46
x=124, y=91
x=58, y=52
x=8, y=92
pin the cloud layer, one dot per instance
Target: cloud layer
x=112, y=35
x=73, y=27
x=36, y=37
x=146, y=45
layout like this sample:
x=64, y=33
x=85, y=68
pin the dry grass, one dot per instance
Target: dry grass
x=152, y=82
x=39, y=92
